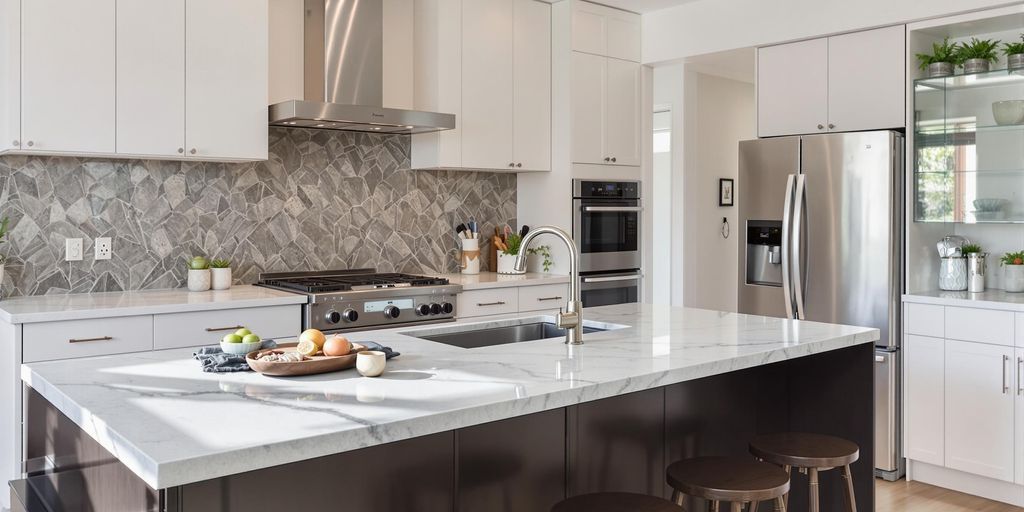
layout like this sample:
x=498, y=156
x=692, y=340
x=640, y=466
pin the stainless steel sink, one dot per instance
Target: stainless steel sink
x=535, y=330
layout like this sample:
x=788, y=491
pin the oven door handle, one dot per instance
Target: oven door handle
x=610, y=279
x=622, y=209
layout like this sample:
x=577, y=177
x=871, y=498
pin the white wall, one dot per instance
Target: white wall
x=707, y=26
x=668, y=91
x=725, y=115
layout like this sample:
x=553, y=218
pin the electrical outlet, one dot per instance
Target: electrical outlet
x=72, y=249
x=103, y=248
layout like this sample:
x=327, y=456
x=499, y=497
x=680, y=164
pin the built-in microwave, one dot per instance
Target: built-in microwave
x=606, y=224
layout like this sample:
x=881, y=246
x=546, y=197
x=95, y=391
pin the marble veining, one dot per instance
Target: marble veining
x=991, y=298
x=172, y=424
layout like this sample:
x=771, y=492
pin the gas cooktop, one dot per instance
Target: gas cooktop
x=348, y=280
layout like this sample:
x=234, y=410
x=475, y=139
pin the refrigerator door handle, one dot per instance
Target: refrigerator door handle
x=786, y=217
x=798, y=283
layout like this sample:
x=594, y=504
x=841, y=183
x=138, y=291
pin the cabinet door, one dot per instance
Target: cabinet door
x=588, y=26
x=151, y=77
x=979, y=409
x=532, y=86
x=792, y=88
x=622, y=112
x=487, y=84
x=867, y=80
x=622, y=36
x=605, y=31
x=588, y=112
x=68, y=76
x=226, y=79
x=1019, y=424
x=10, y=76
x=924, y=372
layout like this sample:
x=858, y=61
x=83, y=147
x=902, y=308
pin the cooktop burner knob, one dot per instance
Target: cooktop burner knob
x=423, y=309
x=435, y=309
x=447, y=308
x=332, y=317
x=392, y=312
x=350, y=315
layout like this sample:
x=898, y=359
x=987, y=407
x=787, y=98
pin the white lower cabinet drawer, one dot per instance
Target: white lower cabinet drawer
x=197, y=328
x=84, y=338
x=544, y=297
x=980, y=325
x=498, y=301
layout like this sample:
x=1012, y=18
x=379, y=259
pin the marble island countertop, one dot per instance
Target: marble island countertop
x=171, y=424
x=78, y=306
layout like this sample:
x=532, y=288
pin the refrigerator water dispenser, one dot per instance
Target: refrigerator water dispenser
x=764, y=253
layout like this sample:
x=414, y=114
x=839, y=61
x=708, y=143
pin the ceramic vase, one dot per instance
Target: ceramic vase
x=953, y=274
x=1013, y=278
x=221, y=278
x=199, y=280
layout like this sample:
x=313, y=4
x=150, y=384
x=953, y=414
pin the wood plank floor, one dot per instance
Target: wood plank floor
x=903, y=496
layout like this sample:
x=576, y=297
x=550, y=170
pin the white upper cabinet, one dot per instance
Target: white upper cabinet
x=487, y=83
x=848, y=82
x=866, y=80
x=792, y=88
x=493, y=71
x=605, y=31
x=588, y=121
x=622, y=112
x=226, y=79
x=605, y=110
x=10, y=75
x=979, y=409
x=151, y=77
x=67, y=101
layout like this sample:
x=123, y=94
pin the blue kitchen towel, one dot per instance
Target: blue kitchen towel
x=215, y=360
x=370, y=345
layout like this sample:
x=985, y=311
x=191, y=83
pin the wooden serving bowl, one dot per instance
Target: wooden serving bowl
x=312, y=366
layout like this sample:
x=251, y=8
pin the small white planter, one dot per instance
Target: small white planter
x=221, y=278
x=199, y=280
x=507, y=264
x=1013, y=278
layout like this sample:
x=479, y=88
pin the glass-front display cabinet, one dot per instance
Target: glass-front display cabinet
x=969, y=148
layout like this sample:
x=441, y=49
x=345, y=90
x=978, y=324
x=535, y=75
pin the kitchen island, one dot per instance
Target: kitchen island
x=506, y=427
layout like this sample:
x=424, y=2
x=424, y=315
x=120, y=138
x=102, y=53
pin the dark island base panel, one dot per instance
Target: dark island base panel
x=524, y=464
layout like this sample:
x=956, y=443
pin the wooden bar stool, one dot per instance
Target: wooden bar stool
x=735, y=480
x=810, y=454
x=615, y=502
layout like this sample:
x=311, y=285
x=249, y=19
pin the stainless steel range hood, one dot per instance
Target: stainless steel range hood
x=343, y=75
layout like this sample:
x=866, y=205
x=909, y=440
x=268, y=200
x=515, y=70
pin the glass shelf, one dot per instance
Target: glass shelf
x=997, y=77
x=938, y=129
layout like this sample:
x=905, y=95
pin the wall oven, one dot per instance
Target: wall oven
x=606, y=228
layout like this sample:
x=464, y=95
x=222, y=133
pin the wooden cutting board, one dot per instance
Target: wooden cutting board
x=312, y=366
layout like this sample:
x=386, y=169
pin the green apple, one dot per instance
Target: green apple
x=243, y=332
x=250, y=338
x=232, y=338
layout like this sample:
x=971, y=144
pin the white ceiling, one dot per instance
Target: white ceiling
x=642, y=6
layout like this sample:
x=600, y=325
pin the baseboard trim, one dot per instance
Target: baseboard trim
x=988, y=488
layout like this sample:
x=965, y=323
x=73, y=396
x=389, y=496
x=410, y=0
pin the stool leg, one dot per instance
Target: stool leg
x=753, y=506
x=851, y=500
x=713, y=506
x=736, y=506
x=813, y=495
x=785, y=497
x=780, y=505
x=677, y=497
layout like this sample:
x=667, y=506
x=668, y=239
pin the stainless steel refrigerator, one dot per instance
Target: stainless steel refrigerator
x=822, y=228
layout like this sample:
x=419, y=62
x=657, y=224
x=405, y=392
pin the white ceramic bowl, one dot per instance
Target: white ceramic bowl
x=1008, y=112
x=240, y=349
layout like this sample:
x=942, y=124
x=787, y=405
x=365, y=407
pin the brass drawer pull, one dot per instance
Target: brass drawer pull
x=84, y=340
x=482, y=304
x=215, y=329
x=542, y=299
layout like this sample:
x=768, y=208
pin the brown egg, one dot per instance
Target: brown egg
x=337, y=345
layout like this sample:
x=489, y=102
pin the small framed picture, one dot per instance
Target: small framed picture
x=725, y=197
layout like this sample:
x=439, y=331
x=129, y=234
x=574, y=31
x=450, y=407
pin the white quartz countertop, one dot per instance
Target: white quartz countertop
x=78, y=306
x=487, y=280
x=988, y=299
x=172, y=424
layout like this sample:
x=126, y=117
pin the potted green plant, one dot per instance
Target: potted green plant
x=543, y=251
x=198, y=274
x=941, y=62
x=977, y=55
x=220, y=274
x=1013, y=271
x=507, y=256
x=1014, y=54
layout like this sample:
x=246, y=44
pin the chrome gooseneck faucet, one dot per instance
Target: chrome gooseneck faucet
x=571, y=319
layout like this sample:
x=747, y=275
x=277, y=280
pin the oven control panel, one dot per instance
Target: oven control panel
x=585, y=189
x=341, y=313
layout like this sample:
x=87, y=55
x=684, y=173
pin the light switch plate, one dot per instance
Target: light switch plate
x=72, y=249
x=103, y=248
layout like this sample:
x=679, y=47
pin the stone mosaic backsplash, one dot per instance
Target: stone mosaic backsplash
x=323, y=200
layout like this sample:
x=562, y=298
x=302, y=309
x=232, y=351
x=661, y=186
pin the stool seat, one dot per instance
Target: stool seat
x=732, y=479
x=803, y=450
x=615, y=502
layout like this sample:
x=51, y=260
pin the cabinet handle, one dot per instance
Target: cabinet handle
x=614, y=159
x=511, y=164
x=30, y=143
x=192, y=151
x=1006, y=385
x=821, y=127
x=831, y=126
x=520, y=164
x=181, y=150
x=1020, y=376
x=215, y=329
x=482, y=304
x=84, y=340
x=16, y=143
x=606, y=159
x=542, y=299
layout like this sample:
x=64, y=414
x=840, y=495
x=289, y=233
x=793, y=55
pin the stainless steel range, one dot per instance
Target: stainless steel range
x=359, y=299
